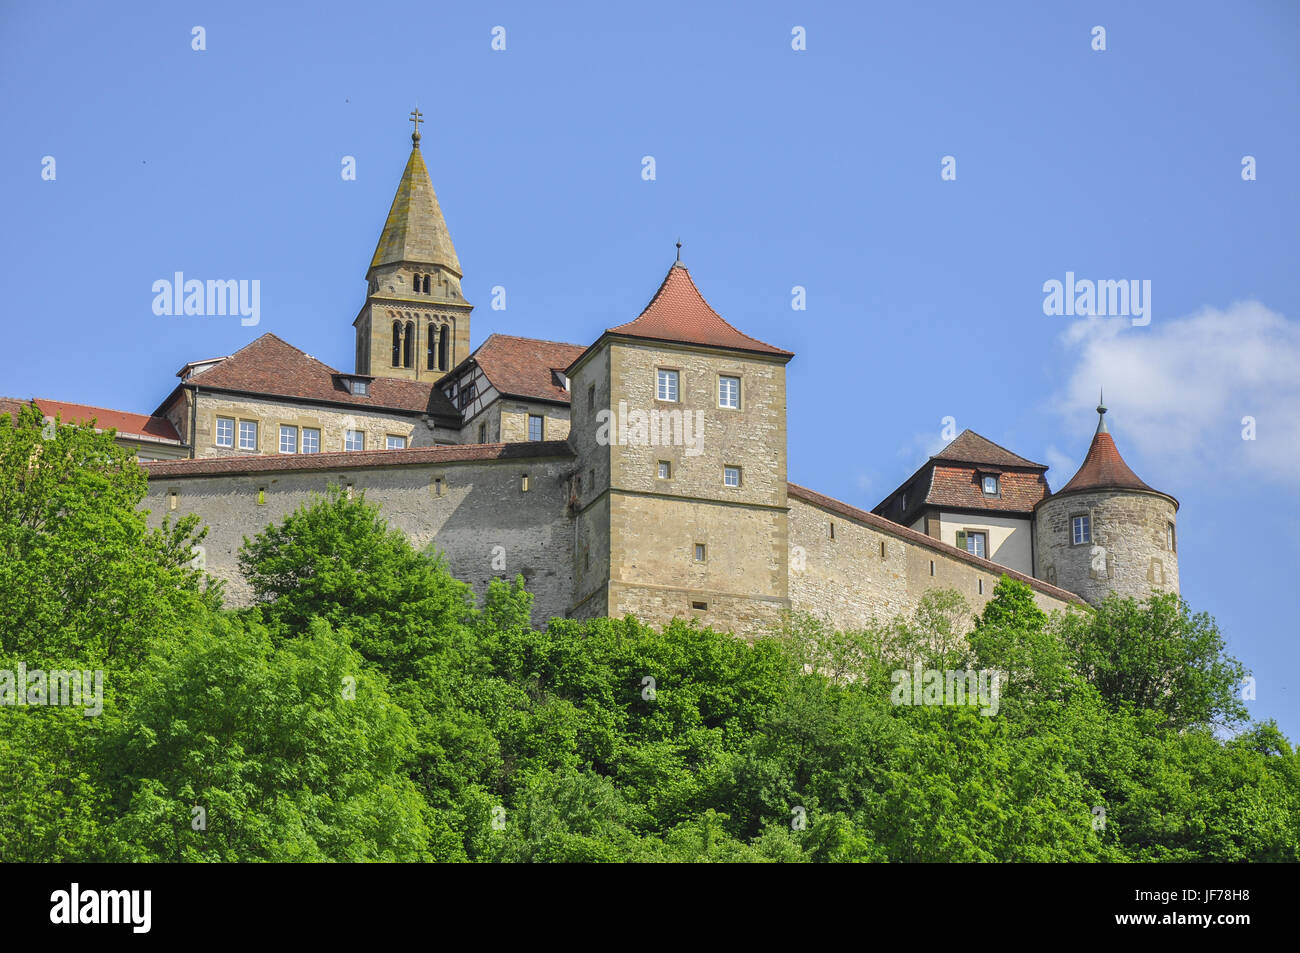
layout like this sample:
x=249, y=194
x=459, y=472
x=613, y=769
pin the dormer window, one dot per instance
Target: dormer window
x=360, y=388
x=990, y=484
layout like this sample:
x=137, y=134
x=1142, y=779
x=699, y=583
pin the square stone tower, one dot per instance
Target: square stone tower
x=415, y=322
x=679, y=426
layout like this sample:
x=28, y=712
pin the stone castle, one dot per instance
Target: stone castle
x=644, y=473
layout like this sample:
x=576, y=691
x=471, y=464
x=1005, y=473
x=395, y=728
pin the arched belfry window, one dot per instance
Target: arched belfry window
x=426, y=284
x=408, y=345
x=443, y=334
x=397, y=344
x=431, y=348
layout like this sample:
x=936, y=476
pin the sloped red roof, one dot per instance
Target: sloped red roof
x=522, y=367
x=920, y=539
x=125, y=423
x=1104, y=468
x=678, y=312
x=1018, y=492
x=340, y=460
x=272, y=367
x=970, y=447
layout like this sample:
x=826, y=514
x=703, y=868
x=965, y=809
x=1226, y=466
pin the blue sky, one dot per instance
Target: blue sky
x=776, y=168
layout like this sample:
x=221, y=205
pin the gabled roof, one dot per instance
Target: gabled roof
x=950, y=478
x=678, y=313
x=970, y=447
x=125, y=423
x=523, y=367
x=271, y=367
x=415, y=230
x=1104, y=469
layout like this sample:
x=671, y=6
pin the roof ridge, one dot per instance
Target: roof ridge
x=74, y=403
x=520, y=337
x=975, y=433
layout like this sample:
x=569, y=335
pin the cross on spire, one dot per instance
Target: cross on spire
x=415, y=118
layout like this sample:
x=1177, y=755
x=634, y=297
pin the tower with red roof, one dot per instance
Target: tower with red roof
x=1106, y=531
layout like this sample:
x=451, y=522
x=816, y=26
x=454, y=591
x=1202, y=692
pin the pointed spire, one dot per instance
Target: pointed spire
x=415, y=230
x=1101, y=412
x=1103, y=468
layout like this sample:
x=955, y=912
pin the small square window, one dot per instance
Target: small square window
x=361, y=388
x=729, y=392
x=535, y=426
x=225, y=431
x=665, y=470
x=288, y=439
x=731, y=476
x=990, y=485
x=354, y=440
x=310, y=440
x=667, y=388
x=973, y=542
x=1080, y=530
x=701, y=606
x=248, y=435
x=394, y=442
x=700, y=552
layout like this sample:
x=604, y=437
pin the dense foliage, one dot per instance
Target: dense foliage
x=367, y=709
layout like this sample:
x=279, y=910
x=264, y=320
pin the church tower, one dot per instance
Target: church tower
x=415, y=322
x=1106, y=531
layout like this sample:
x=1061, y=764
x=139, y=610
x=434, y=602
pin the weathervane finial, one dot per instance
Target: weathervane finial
x=415, y=118
x=1101, y=412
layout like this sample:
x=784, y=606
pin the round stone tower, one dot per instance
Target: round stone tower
x=1106, y=531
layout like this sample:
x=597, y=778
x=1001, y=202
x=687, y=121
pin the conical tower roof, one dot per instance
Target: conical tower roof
x=1103, y=467
x=415, y=230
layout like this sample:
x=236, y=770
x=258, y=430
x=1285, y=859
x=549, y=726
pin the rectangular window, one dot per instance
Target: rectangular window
x=261, y=495
x=394, y=442
x=361, y=388
x=1080, y=530
x=248, y=435
x=482, y=433
x=701, y=606
x=699, y=552
x=1171, y=538
x=288, y=439
x=310, y=440
x=354, y=440
x=591, y=397
x=665, y=470
x=974, y=543
x=534, y=426
x=667, y=389
x=523, y=482
x=990, y=486
x=729, y=392
x=731, y=476
x=225, y=431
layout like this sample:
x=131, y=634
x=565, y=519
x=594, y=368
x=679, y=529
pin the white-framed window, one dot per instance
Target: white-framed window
x=990, y=483
x=288, y=439
x=310, y=440
x=700, y=552
x=394, y=442
x=361, y=388
x=974, y=542
x=225, y=431
x=1080, y=530
x=731, y=476
x=354, y=440
x=535, y=427
x=665, y=470
x=248, y=435
x=667, y=388
x=729, y=392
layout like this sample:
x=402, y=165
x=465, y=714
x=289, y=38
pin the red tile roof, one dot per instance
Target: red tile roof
x=271, y=367
x=679, y=313
x=1018, y=492
x=522, y=367
x=970, y=447
x=1103, y=469
x=339, y=460
x=929, y=542
x=126, y=424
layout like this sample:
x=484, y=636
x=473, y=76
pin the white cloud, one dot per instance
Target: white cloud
x=1061, y=466
x=1178, y=389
